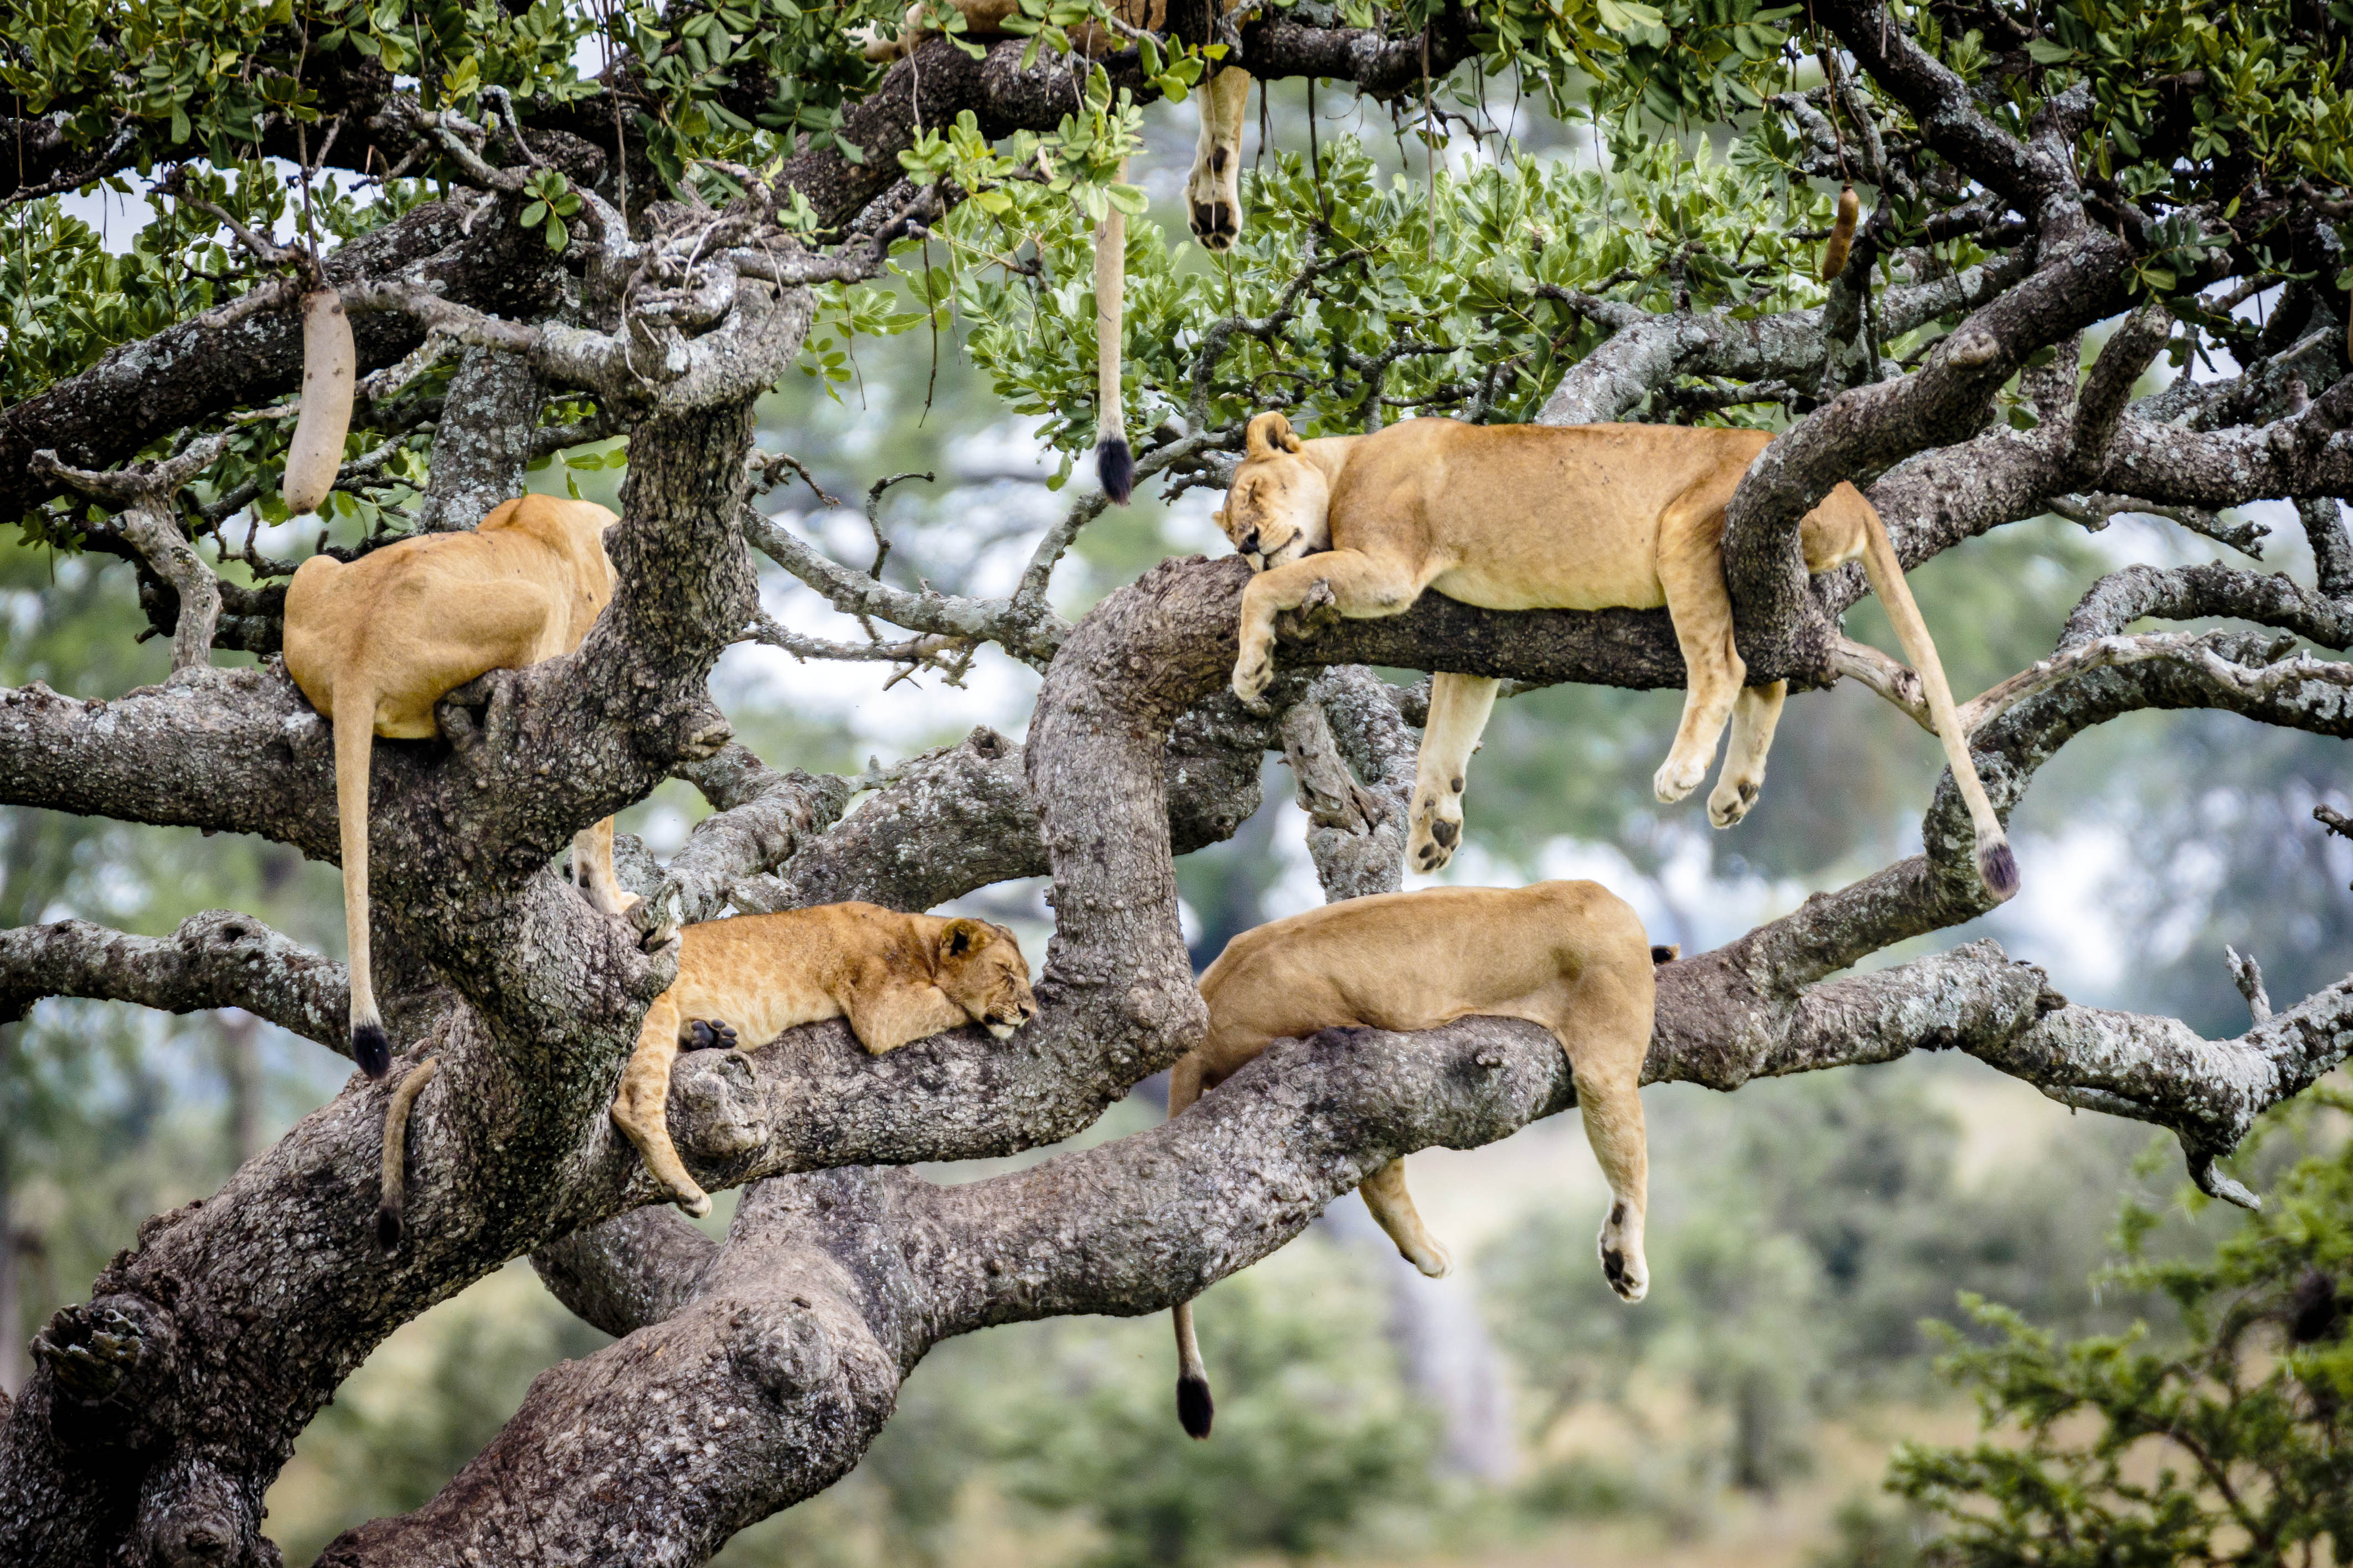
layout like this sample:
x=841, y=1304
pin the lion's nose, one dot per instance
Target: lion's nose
x=1248, y=545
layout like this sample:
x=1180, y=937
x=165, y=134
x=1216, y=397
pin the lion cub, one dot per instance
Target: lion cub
x=1581, y=516
x=1569, y=955
x=375, y=643
x=895, y=977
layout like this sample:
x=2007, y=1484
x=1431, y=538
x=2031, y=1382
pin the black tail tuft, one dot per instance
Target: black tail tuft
x=1998, y=867
x=1115, y=466
x=388, y=1227
x=372, y=1049
x=1193, y=1408
x=1666, y=954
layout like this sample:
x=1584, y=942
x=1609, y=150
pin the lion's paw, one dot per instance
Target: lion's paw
x=1217, y=223
x=1436, y=832
x=1434, y=1261
x=1678, y=779
x=1731, y=801
x=1622, y=1263
x=1251, y=677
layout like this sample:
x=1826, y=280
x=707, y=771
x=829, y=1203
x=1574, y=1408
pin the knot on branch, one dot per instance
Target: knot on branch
x=781, y=1346
x=112, y=1362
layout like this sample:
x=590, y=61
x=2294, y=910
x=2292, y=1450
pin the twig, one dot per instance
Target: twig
x=2248, y=975
x=2095, y=509
x=150, y=524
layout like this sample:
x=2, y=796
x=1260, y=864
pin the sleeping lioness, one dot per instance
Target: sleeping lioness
x=1569, y=955
x=895, y=977
x=1527, y=517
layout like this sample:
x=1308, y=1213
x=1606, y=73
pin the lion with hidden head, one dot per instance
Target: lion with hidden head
x=1579, y=517
x=376, y=642
x=1569, y=956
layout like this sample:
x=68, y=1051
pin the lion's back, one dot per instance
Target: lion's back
x=1417, y=960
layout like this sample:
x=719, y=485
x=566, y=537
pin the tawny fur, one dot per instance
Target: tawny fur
x=1213, y=202
x=896, y=977
x=1524, y=517
x=1570, y=956
x=376, y=642
x=391, y=1194
x=1834, y=254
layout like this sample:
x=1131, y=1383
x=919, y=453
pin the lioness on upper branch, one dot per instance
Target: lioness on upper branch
x=1528, y=517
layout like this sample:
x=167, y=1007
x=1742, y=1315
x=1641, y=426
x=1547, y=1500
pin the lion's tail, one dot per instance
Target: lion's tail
x=1996, y=865
x=354, y=749
x=1194, y=1409
x=396, y=1151
x=1114, y=463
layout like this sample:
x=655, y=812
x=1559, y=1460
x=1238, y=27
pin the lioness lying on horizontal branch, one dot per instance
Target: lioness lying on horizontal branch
x=1581, y=516
x=1213, y=202
x=895, y=977
x=1569, y=955
x=375, y=643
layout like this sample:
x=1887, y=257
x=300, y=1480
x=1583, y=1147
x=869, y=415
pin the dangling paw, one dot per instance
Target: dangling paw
x=1678, y=777
x=1731, y=800
x=707, y=1035
x=1436, y=832
x=1622, y=1263
x=1434, y=1261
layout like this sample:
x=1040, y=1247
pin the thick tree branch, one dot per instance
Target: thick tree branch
x=218, y=959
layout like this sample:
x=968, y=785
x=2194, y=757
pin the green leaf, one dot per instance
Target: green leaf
x=559, y=236
x=2045, y=53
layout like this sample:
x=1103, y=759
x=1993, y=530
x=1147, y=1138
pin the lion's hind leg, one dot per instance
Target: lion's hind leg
x=1459, y=707
x=1384, y=1193
x=1691, y=573
x=1754, y=715
x=1359, y=586
x=1609, y=1095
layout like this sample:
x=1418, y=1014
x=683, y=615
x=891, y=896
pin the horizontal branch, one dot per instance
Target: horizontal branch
x=216, y=959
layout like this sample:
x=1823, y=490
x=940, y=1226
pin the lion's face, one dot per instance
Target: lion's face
x=1280, y=506
x=983, y=972
x=1278, y=510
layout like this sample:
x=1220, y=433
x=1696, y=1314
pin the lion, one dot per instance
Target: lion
x=1213, y=202
x=896, y=977
x=1569, y=955
x=375, y=643
x=1580, y=517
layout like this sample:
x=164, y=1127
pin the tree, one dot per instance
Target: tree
x=540, y=259
x=2222, y=1442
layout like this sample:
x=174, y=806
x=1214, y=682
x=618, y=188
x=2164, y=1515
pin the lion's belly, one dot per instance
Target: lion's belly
x=760, y=993
x=1563, y=581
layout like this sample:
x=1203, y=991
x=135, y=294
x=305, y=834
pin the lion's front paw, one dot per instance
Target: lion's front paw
x=1731, y=800
x=1678, y=778
x=1252, y=676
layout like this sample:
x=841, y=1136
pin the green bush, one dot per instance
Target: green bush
x=2227, y=1442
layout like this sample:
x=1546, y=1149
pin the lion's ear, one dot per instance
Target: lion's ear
x=962, y=936
x=1266, y=432
x=1218, y=517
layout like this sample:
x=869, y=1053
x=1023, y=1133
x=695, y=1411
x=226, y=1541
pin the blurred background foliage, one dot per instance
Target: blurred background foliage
x=1803, y=1229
